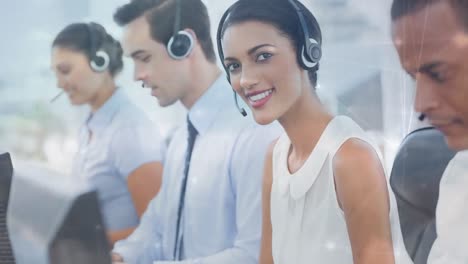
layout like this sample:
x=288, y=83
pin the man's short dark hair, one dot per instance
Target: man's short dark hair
x=402, y=8
x=161, y=18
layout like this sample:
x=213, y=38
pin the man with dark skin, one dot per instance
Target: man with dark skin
x=431, y=37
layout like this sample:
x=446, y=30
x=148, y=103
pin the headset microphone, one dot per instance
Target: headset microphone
x=241, y=110
x=422, y=117
x=56, y=97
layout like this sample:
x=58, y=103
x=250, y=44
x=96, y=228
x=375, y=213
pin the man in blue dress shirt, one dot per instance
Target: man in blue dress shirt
x=209, y=206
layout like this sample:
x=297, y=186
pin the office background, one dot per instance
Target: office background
x=360, y=75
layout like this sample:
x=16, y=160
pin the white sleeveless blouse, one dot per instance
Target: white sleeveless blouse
x=307, y=221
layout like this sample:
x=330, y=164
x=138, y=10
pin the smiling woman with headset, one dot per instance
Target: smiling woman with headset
x=325, y=194
x=120, y=149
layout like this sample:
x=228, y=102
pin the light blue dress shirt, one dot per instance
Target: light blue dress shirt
x=221, y=221
x=123, y=139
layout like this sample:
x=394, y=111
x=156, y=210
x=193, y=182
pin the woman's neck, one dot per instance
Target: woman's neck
x=106, y=90
x=304, y=124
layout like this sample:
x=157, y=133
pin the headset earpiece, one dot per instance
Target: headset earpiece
x=180, y=45
x=314, y=51
x=310, y=54
x=99, y=59
x=100, y=62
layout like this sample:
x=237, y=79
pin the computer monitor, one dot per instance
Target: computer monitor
x=54, y=220
x=6, y=172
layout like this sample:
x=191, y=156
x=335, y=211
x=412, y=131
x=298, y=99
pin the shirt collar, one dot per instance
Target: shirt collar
x=104, y=115
x=208, y=106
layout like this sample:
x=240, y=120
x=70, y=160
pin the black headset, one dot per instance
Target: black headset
x=181, y=43
x=311, y=50
x=99, y=58
x=308, y=55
